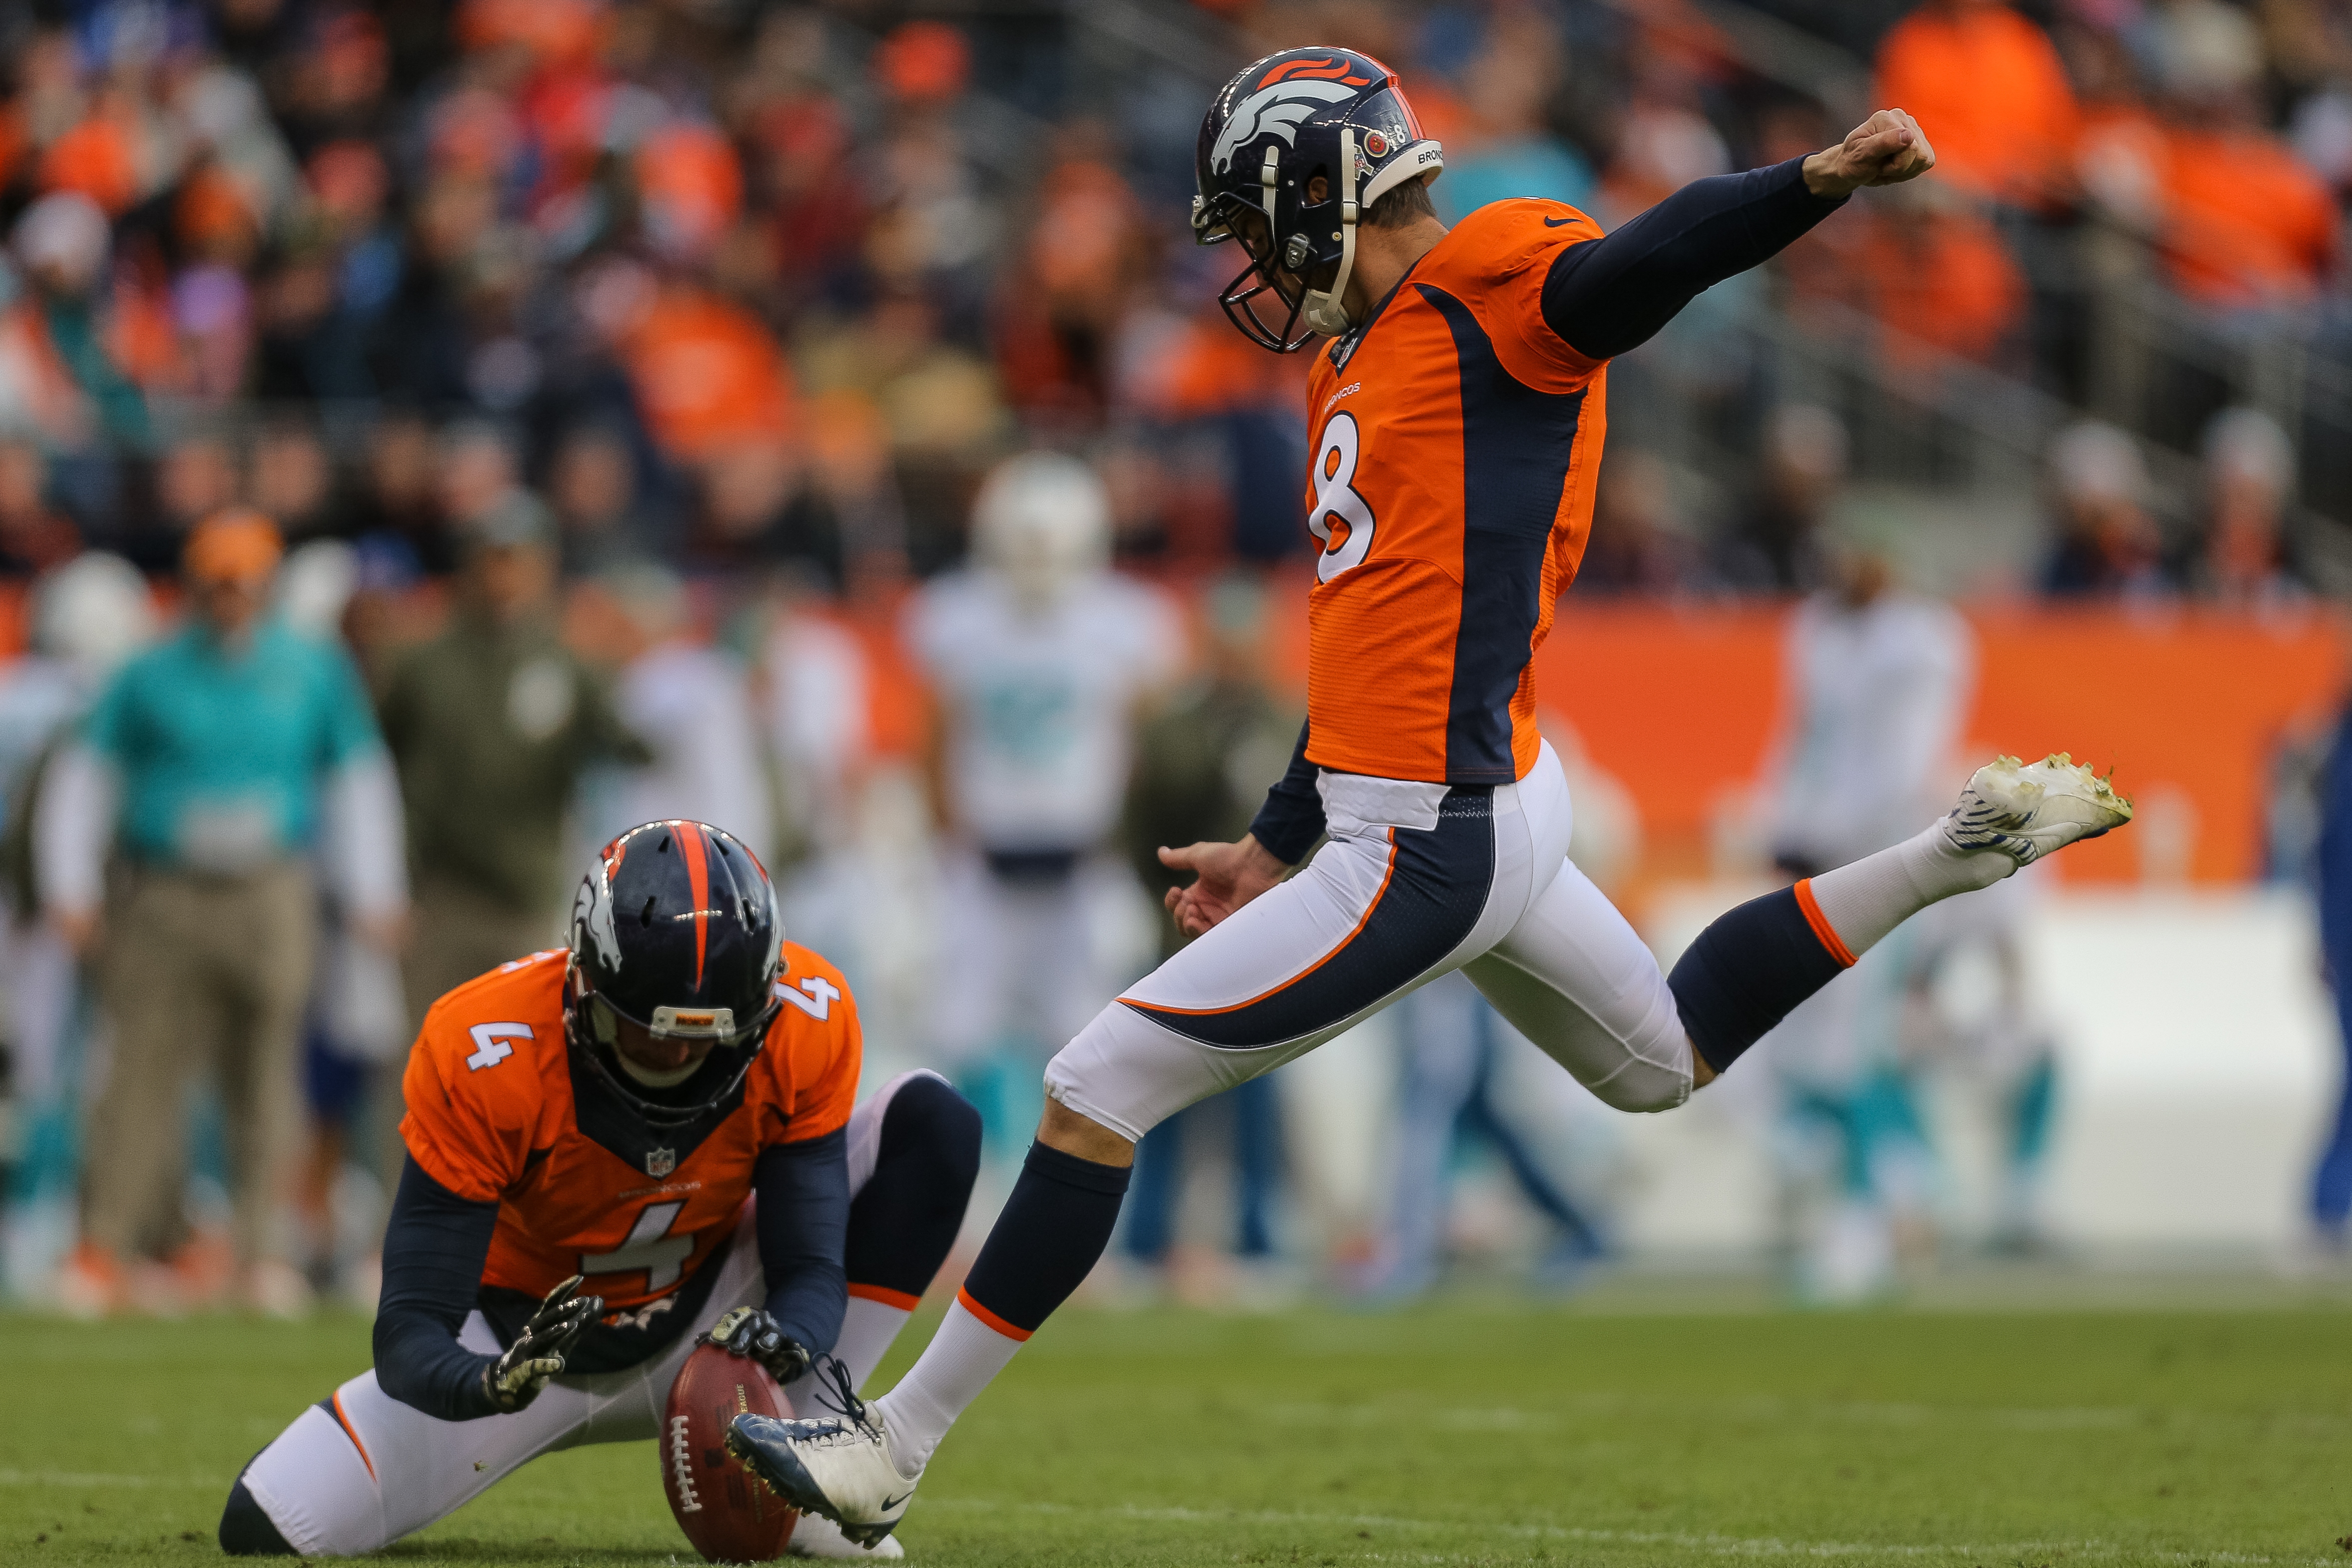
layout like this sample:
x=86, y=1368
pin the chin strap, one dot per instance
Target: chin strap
x=1323, y=312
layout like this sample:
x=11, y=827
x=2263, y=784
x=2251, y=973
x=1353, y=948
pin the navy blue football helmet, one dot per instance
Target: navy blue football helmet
x=674, y=928
x=1268, y=133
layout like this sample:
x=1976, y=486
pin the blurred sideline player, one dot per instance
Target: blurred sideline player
x=1460, y=1062
x=1203, y=762
x=89, y=616
x=1878, y=681
x=663, y=1109
x=356, y=1030
x=690, y=705
x=1987, y=1039
x=1881, y=681
x=1040, y=656
x=1457, y=419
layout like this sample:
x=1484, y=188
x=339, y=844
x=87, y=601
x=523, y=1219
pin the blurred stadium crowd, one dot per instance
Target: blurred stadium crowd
x=619, y=379
x=738, y=287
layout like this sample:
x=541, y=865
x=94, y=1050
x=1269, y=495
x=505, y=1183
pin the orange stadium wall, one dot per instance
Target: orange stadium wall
x=1680, y=704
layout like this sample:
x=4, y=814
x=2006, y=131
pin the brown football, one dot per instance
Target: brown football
x=728, y=1515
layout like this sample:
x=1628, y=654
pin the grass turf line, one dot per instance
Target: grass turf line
x=1452, y=1434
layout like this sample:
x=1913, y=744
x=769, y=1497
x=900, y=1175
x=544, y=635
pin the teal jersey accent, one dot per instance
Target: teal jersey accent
x=222, y=754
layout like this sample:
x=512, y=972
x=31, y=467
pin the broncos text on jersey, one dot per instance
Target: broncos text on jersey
x=1456, y=438
x=496, y=1114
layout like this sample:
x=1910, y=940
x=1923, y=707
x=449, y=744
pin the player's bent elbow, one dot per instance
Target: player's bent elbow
x=419, y=1362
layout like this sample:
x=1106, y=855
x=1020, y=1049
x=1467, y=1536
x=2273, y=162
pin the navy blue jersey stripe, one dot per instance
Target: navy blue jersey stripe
x=1516, y=445
x=1438, y=882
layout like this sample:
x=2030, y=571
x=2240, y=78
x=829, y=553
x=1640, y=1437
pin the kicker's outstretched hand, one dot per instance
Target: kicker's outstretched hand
x=1226, y=877
x=1884, y=150
x=536, y=1357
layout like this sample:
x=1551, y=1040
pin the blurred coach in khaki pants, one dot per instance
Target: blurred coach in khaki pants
x=217, y=762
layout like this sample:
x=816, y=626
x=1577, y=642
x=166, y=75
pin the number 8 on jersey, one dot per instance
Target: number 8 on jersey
x=1342, y=517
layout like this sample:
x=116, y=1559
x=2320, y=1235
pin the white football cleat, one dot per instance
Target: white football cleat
x=838, y=1466
x=817, y=1536
x=2028, y=809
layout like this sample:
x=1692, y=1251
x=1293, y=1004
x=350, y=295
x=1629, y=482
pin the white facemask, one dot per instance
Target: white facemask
x=1323, y=312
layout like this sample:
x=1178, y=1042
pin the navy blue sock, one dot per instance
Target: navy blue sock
x=906, y=1217
x=1749, y=968
x=1052, y=1233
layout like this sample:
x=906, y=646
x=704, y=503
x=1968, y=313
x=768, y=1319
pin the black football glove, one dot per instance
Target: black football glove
x=537, y=1355
x=748, y=1331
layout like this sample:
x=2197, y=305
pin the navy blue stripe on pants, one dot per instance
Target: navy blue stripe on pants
x=1437, y=885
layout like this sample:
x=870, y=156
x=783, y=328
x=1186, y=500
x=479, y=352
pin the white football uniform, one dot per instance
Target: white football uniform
x=689, y=705
x=818, y=697
x=360, y=1469
x=1040, y=704
x=38, y=697
x=1415, y=881
x=1877, y=699
x=1877, y=696
x=1040, y=709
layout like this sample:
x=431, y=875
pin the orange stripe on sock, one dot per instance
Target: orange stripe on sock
x=963, y=1298
x=353, y=1433
x=887, y=1297
x=1821, y=924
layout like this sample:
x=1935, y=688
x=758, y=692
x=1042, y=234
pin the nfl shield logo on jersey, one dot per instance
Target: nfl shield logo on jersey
x=660, y=1162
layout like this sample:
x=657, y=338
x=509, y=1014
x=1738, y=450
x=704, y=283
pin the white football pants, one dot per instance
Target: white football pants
x=360, y=1469
x=1015, y=959
x=1417, y=880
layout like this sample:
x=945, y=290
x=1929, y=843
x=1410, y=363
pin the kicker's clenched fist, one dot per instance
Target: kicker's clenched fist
x=1884, y=150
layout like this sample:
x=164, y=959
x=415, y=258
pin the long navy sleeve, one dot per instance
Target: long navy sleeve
x=435, y=1245
x=1612, y=294
x=1292, y=817
x=803, y=1192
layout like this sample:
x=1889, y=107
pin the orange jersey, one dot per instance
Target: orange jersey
x=492, y=1116
x=1456, y=438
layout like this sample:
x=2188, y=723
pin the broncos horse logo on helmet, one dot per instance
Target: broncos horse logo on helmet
x=1269, y=133
x=675, y=930
x=1277, y=109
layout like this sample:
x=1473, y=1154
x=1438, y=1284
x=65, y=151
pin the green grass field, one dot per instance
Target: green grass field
x=1455, y=1434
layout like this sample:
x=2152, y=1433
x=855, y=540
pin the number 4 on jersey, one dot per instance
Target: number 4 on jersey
x=490, y=1046
x=817, y=1001
x=649, y=1246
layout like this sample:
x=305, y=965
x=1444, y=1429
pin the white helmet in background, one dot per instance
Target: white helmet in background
x=1042, y=523
x=315, y=584
x=92, y=612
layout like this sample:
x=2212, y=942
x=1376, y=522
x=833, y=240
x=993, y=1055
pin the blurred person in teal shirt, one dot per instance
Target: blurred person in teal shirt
x=1511, y=151
x=220, y=766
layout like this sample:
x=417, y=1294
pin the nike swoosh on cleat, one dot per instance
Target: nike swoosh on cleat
x=890, y=1502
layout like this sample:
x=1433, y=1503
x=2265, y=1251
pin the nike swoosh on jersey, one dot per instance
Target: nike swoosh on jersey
x=1555, y=223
